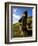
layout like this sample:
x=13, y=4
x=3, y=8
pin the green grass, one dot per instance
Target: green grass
x=16, y=31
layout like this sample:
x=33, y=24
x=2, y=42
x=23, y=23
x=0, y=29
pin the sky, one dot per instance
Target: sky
x=17, y=11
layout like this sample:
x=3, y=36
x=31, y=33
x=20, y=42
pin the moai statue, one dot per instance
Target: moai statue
x=24, y=24
x=23, y=20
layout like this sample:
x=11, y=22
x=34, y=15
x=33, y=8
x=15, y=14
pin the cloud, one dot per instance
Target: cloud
x=14, y=10
x=16, y=18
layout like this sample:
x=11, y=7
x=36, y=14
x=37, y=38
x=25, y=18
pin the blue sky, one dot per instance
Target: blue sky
x=21, y=10
x=16, y=12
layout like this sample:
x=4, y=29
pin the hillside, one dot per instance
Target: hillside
x=16, y=32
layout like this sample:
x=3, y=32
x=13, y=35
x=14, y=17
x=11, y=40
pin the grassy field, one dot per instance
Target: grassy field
x=16, y=31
